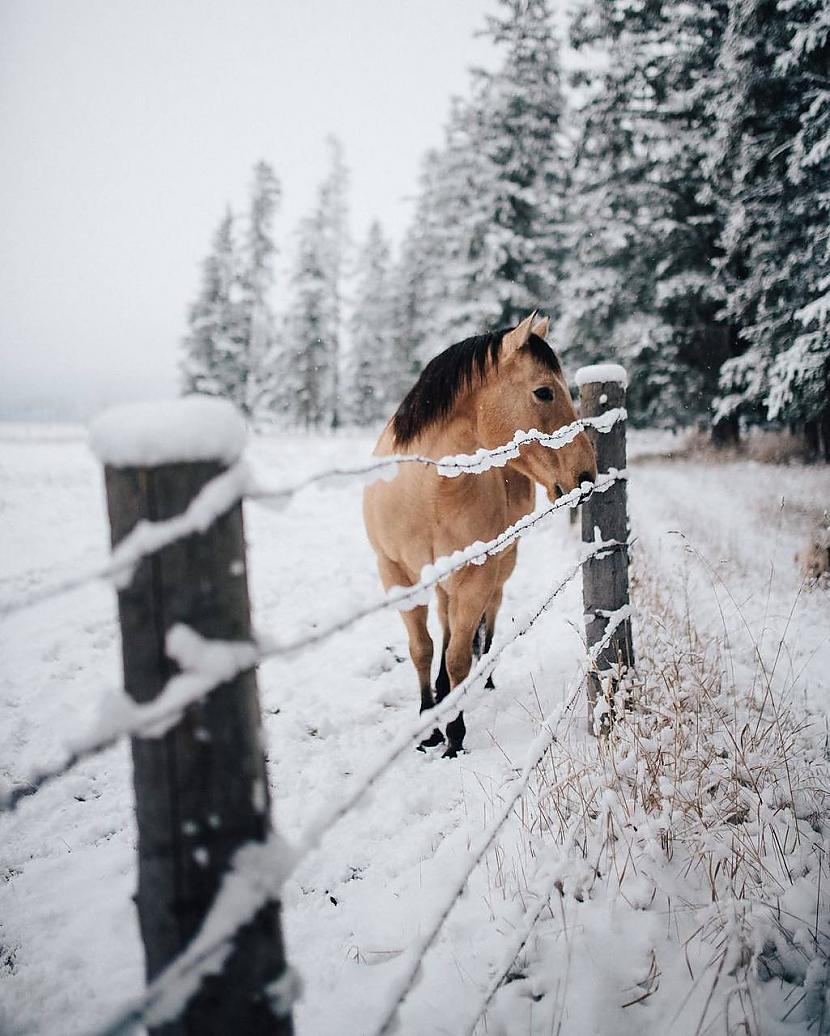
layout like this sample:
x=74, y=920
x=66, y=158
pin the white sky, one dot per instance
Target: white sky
x=127, y=125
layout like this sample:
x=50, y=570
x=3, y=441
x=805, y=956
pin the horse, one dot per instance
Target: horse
x=477, y=393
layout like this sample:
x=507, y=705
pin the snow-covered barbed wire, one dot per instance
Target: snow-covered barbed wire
x=450, y=466
x=183, y=976
x=205, y=665
x=254, y=879
x=214, y=499
x=238, y=482
x=123, y=717
x=544, y=739
x=405, y=597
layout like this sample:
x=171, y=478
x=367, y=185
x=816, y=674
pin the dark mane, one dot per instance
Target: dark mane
x=434, y=395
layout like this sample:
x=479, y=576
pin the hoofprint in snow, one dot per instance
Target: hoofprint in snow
x=632, y=942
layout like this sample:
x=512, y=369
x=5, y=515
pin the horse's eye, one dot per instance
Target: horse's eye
x=543, y=393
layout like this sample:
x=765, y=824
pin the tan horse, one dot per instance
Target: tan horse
x=477, y=393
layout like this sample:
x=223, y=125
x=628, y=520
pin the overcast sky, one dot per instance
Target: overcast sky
x=127, y=125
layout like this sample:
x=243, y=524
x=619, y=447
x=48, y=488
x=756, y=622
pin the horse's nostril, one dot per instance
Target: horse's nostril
x=584, y=476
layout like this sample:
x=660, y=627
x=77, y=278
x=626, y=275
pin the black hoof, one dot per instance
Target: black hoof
x=489, y=685
x=434, y=739
x=452, y=752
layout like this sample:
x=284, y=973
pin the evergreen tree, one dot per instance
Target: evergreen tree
x=771, y=172
x=256, y=285
x=485, y=244
x=214, y=345
x=309, y=352
x=799, y=378
x=372, y=369
x=434, y=302
x=643, y=233
x=510, y=254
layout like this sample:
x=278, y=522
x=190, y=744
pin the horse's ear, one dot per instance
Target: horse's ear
x=541, y=329
x=515, y=339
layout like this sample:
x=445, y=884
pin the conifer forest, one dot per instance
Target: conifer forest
x=656, y=178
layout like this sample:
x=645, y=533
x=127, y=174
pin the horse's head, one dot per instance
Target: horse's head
x=527, y=389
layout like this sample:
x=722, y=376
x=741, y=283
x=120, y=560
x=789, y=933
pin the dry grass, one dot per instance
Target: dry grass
x=709, y=801
x=760, y=445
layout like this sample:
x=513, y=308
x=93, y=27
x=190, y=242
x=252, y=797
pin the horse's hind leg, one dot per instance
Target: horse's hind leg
x=442, y=683
x=466, y=607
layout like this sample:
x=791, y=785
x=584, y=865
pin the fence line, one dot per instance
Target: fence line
x=237, y=482
x=189, y=687
x=450, y=466
x=198, y=964
x=537, y=752
x=208, y=664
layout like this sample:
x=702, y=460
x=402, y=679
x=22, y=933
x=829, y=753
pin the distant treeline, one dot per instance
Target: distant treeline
x=668, y=205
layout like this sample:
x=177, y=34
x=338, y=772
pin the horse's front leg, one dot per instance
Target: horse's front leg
x=420, y=651
x=420, y=642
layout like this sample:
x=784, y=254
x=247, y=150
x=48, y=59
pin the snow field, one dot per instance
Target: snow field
x=70, y=953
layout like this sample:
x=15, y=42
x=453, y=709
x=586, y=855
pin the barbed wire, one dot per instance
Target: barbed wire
x=404, y=597
x=216, y=498
x=449, y=466
x=144, y=718
x=547, y=737
x=148, y=537
x=517, y=943
x=201, y=964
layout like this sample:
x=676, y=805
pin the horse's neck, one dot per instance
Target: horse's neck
x=457, y=435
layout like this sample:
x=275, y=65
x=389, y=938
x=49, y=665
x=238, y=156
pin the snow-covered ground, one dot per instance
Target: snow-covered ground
x=716, y=547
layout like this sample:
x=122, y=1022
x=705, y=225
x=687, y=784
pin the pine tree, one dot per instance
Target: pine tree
x=799, y=377
x=434, y=302
x=485, y=244
x=771, y=171
x=256, y=284
x=510, y=255
x=214, y=344
x=372, y=371
x=643, y=233
x=310, y=347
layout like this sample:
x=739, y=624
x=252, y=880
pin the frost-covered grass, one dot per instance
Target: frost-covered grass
x=714, y=892
x=689, y=851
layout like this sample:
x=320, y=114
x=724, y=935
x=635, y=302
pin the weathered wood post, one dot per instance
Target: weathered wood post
x=201, y=789
x=605, y=517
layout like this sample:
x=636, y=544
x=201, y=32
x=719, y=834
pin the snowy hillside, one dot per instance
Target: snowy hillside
x=677, y=878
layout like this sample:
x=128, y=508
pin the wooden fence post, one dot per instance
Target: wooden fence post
x=201, y=789
x=605, y=516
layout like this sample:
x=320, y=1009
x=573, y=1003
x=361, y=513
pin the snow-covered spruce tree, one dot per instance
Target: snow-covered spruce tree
x=799, y=378
x=485, y=243
x=770, y=171
x=435, y=247
x=370, y=385
x=511, y=250
x=256, y=285
x=640, y=285
x=309, y=352
x=214, y=347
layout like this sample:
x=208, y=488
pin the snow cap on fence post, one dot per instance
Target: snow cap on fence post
x=605, y=518
x=602, y=372
x=170, y=431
